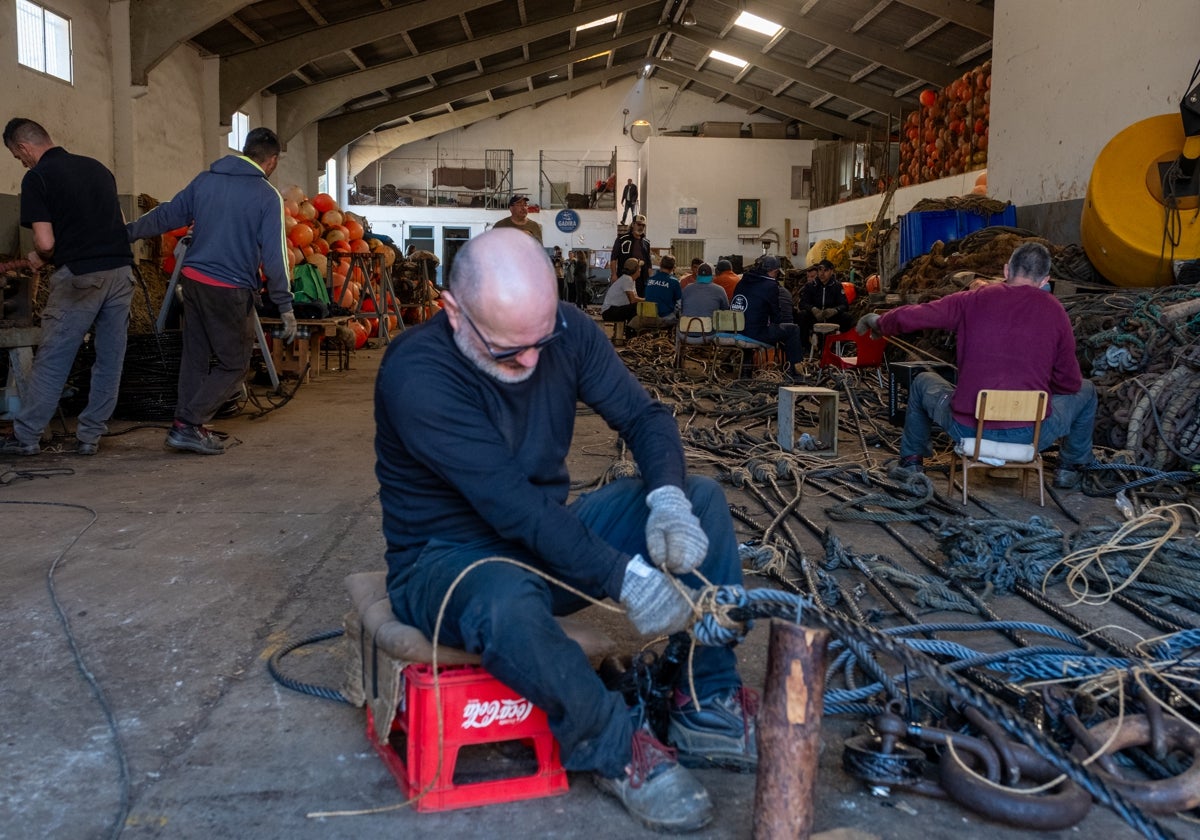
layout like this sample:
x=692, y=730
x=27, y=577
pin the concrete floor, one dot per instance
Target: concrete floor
x=179, y=576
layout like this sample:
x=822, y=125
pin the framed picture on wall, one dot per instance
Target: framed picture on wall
x=747, y=213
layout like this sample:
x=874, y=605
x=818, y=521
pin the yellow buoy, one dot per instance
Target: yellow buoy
x=1125, y=228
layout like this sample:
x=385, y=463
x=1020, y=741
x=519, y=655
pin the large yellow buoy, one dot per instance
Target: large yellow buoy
x=1125, y=228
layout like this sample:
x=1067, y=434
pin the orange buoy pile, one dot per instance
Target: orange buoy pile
x=948, y=134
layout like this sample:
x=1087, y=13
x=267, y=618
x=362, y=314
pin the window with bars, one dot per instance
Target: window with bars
x=43, y=40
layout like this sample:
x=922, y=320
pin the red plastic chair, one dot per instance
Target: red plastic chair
x=868, y=352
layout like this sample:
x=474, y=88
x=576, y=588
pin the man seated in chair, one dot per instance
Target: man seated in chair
x=475, y=412
x=757, y=294
x=662, y=289
x=621, y=299
x=1011, y=336
x=823, y=301
x=703, y=297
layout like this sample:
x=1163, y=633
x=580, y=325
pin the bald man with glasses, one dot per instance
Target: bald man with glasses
x=475, y=412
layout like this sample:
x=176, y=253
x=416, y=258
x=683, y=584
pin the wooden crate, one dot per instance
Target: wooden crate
x=827, y=417
x=769, y=130
x=720, y=129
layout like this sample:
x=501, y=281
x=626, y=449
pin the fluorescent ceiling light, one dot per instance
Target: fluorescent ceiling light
x=596, y=23
x=749, y=21
x=728, y=59
x=597, y=55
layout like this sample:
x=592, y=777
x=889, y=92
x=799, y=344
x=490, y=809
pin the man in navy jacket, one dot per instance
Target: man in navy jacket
x=237, y=226
x=475, y=411
x=757, y=294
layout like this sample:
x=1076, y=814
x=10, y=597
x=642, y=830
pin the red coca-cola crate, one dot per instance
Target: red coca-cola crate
x=477, y=709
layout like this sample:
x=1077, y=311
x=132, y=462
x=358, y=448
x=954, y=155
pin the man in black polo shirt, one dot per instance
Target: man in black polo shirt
x=70, y=202
x=632, y=244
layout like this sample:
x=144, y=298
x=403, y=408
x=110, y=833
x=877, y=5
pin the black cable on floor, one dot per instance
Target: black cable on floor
x=303, y=687
x=118, y=823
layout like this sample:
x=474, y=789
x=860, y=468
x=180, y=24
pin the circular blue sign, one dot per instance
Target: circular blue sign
x=567, y=221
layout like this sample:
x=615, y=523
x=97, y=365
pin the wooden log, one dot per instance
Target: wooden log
x=789, y=732
x=1177, y=312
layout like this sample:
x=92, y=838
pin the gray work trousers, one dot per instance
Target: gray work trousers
x=77, y=302
x=218, y=335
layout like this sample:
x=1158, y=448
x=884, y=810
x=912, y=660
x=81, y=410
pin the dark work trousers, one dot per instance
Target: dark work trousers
x=216, y=323
x=789, y=336
x=506, y=615
x=622, y=312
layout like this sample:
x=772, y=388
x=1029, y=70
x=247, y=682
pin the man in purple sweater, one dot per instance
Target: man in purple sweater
x=475, y=411
x=1011, y=336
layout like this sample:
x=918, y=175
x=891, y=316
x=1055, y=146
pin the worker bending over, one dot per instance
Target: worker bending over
x=474, y=412
x=1011, y=336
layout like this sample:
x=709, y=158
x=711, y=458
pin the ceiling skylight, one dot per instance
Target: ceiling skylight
x=762, y=25
x=728, y=59
x=595, y=23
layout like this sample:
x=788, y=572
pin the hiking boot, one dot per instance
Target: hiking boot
x=656, y=791
x=9, y=445
x=83, y=447
x=720, y=734
x=912, y=464
x=1067, y=478
x=184, y=436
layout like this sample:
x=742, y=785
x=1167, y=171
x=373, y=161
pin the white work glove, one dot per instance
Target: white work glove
x=674, y=537
x=289, y=326
x=868, y=323
x=654, y=605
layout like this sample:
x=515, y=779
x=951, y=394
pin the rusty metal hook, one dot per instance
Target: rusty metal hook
x=1062, y=807
x=1158, y=796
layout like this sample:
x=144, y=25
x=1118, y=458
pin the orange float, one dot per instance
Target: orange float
x=300, y=235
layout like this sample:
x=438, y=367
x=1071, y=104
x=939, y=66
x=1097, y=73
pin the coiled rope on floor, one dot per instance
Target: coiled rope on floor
x=1156, y=553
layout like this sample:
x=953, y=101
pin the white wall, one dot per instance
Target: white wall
x=1064, y=82
x=169, y=126
x=155, y=139
x=78, y=116
x=584, y=127
x=711, y=174
x=597, y=228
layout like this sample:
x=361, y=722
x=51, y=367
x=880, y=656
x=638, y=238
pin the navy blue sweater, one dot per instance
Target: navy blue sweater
x=758, y=296
x=464, y=459
x=238, y=227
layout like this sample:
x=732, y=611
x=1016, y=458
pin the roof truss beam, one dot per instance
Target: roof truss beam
x=158, y=26
x=758, y=97
x=797, y=72
x=360, y=157
x=336, y=131
x=299, y=108
x=784, y=13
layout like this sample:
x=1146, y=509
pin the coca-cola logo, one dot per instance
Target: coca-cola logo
x=482, y=713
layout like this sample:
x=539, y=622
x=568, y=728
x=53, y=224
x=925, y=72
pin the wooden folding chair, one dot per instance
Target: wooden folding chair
x=1014, y=406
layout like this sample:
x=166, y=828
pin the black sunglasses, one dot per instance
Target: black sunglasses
x=505, y=355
